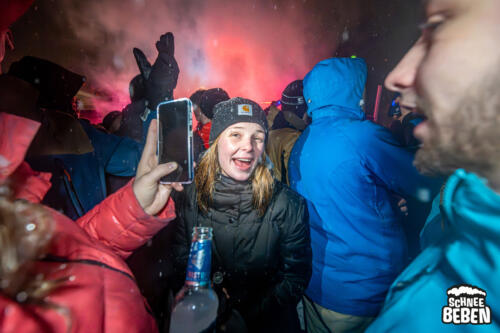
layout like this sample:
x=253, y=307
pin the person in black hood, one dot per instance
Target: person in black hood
x=261, y=260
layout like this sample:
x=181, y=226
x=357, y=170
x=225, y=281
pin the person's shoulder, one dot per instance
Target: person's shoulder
x=363, y=127
x=285, y=195
x=368, y=134
x=289, y=208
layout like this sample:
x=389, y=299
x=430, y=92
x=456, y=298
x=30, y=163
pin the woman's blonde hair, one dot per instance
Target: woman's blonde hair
x=209, y=169
x=25, y=233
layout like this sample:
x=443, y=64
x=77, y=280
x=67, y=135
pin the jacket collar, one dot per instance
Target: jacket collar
x=469, y=203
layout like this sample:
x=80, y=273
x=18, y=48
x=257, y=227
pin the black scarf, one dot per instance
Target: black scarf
x=231, y=196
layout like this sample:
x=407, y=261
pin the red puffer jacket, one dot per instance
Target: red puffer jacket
x=100, y=294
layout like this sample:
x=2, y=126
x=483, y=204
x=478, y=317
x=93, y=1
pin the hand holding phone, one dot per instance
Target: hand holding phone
x=151, y=195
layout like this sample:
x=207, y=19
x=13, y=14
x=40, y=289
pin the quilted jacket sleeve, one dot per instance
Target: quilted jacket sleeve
x=296, y=253
x=120, y=223
x=296, y=258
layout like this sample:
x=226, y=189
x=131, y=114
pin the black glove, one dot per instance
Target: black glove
x=166, y=44
x=164, y=73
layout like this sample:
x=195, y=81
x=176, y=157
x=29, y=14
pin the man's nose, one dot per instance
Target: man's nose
x=403, y=75
x=400, y=78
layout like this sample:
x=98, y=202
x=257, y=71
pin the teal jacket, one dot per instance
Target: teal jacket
x=468, y=253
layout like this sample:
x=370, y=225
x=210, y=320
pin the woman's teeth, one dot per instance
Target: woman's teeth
x=243, y=163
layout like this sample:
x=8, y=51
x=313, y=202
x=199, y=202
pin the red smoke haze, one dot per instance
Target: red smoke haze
x=251, y=49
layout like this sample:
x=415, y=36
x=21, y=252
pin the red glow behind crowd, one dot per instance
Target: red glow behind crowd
x=250, y=49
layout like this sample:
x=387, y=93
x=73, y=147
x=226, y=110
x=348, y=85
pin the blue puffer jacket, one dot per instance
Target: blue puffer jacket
x=78, y=181
x=468, y=253
x=349, y=171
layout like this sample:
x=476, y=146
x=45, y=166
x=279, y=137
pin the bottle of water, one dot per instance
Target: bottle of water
x=196, y=303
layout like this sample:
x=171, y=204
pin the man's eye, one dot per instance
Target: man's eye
x=429, y=26
x=259, y=140
x=429, y=29
x=235, y=135
x=433, y=22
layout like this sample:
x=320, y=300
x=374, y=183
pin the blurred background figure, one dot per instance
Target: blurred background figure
x=287, y=126
x=112, y=122
x=205, y=112
x=198, y=144
x=77, y=154
x=415, y=211
x=405, y=119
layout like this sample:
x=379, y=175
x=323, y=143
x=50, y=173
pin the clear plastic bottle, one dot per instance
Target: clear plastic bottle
x=196, y=304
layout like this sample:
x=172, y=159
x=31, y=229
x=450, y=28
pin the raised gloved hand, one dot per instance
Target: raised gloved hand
x=161, y=77
x=166, y=44
x=164, y=73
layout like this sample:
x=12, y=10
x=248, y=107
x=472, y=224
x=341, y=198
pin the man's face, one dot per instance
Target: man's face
x=452, y=74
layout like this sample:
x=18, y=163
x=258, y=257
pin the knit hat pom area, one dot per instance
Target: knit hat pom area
x=233, y=111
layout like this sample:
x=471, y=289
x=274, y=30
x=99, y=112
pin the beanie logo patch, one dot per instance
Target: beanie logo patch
x=244, y=110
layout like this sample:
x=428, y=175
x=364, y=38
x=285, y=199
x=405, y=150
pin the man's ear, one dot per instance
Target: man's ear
x=142, y=63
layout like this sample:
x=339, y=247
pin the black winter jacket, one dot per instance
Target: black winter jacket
x=264, y=263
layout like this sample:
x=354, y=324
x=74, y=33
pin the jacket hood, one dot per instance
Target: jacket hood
x=335, y=82
x=16, y=134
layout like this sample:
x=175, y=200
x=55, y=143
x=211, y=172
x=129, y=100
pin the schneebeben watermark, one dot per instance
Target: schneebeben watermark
x=466, y=305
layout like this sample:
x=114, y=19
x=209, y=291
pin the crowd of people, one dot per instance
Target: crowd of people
x=323, y=220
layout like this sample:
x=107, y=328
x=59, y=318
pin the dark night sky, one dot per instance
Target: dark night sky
x=87, y=36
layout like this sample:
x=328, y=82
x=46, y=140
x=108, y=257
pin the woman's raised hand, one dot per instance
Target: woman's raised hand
x=151, y=195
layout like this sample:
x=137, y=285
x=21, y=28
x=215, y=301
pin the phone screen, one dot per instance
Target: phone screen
x=175, y=139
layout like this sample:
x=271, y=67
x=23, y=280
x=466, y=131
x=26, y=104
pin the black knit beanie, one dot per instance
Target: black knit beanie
x=292, y=98
x=210, y=98
x=236, y=110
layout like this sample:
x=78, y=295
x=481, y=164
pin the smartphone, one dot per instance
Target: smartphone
x=175, y=139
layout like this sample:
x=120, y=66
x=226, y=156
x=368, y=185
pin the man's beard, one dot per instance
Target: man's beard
x=469, y=138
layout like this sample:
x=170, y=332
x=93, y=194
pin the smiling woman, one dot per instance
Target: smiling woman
x=261, y=245
x=240, y=149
